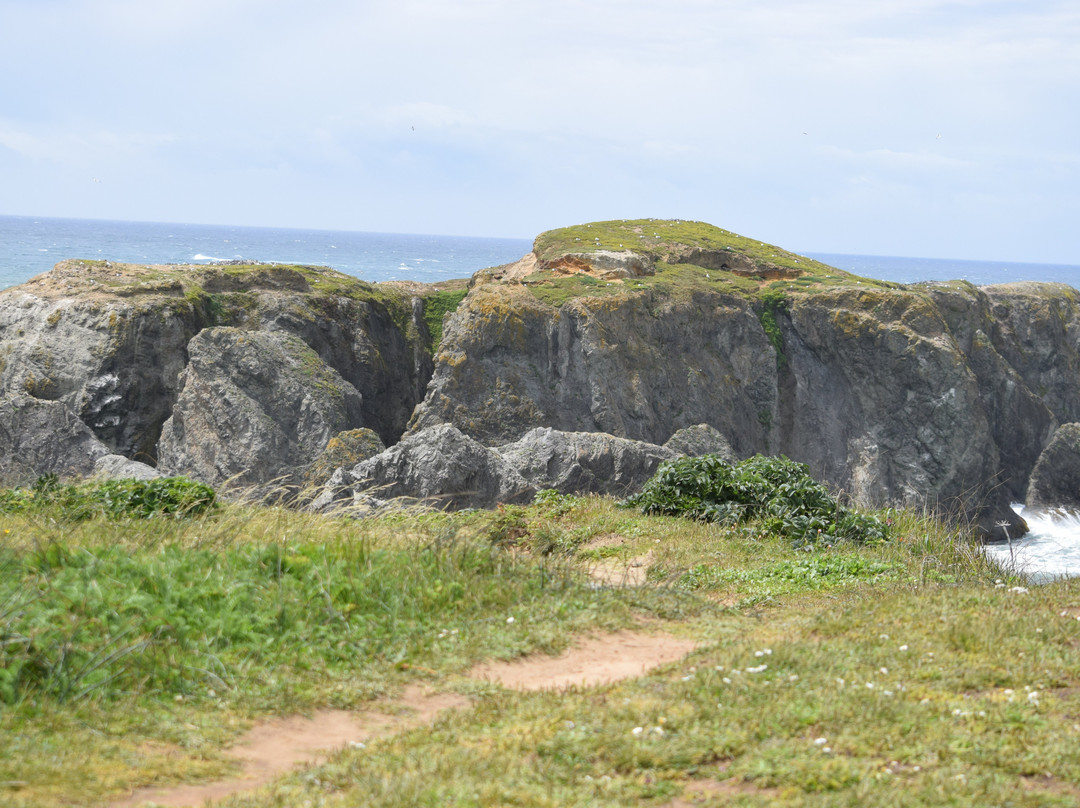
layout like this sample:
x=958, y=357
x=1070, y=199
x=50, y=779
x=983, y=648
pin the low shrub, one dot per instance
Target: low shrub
x=136, y=499
x=775, y=490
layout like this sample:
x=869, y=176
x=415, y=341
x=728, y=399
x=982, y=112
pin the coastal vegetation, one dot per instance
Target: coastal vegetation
x=688, y=257
x=137, y=645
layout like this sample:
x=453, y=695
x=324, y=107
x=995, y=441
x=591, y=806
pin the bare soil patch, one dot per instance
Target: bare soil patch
x=621, y=572
x=596, y=660
x=275, y=747
x=699, y=792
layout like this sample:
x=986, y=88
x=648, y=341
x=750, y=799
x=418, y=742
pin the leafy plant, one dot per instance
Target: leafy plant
x=778, y=491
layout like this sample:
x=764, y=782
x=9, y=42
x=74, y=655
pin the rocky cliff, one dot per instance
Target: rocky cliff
x=126, y=347
x=936, y=393
x=941, y=394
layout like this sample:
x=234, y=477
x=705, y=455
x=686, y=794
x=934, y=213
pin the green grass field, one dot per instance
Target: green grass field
x=911, y=671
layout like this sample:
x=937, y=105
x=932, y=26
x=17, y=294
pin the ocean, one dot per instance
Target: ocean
x=32, y=245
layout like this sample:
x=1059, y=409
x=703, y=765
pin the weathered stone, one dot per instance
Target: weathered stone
x=110, y=339
x=254, y=406
x=603, y=264
x=701, y=439
x=1055, y=482
x=901, y=395
x=345, y=449
x=440, y=466
x=118, y=467
x=44, y=437
x=583, y=462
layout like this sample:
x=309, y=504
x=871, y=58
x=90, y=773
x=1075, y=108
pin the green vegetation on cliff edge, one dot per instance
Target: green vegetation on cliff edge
x=671, y=246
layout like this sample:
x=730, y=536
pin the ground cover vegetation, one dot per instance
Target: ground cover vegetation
x=901, y=669
x=669, y=244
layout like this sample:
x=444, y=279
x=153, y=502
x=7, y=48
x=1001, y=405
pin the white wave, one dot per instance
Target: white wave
x=1050, y=550
x=201, y=257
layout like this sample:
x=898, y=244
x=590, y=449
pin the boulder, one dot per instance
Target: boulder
x=254, y=407
x=583, y=462
x=44, y=437
x=1055, y=482
x=118, y=467
x=701, y=439
x=440, y=466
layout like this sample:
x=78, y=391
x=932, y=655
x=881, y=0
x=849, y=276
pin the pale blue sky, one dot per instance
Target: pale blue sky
x=896, y=127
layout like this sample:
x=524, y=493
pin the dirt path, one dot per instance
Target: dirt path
x=276, y=747
x=597, y=660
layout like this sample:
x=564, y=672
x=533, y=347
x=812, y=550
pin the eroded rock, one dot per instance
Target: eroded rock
x=44, y=437
x=254, y=407
x=583, y=462
x=1055, y=482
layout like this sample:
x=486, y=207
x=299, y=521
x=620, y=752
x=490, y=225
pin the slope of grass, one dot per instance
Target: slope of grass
x=908, y=672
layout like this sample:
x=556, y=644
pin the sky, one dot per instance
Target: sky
x=934, y=128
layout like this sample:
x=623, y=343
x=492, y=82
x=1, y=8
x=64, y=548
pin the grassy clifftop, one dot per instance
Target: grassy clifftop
x=687, y=257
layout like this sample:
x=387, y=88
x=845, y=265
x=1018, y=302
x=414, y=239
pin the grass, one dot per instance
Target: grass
x=663, y=241
x=905, y=672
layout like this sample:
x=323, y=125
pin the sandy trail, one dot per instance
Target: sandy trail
x=594, y=661
x=275, y=747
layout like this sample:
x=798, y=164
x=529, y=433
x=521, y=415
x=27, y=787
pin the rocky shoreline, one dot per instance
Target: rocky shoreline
x=611, y=347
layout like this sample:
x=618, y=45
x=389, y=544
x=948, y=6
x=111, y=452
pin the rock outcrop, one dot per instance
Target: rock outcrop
x=441, y=466
x=109, y=340
x=939, y=394
x=44, y=437
x=1055, y=482
x=254, y=406
x=444, y=468
x=701, y=439
x=583, y=462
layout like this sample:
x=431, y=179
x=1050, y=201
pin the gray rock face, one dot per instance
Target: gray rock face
x=1055, y=482
x=446, y=468
x=110, y=340
x=939, y=395
x=344, y=450
x=118, y=467
x=441, y=466
x=701, y=439
x=254, y=406
x=635, y=368
x=583, y=462
x=111, y=361
x=44, y=437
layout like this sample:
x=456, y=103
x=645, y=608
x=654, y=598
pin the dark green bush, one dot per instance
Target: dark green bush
x=777, y=491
